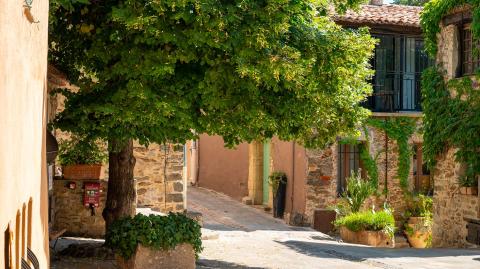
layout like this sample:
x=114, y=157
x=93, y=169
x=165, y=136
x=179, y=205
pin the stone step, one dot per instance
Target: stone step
x=401, y=241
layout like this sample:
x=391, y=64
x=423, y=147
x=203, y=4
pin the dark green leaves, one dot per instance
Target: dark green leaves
x=157, y=232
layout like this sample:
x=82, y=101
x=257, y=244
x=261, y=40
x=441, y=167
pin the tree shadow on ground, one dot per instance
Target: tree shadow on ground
x=216, y=264
x=362, y=253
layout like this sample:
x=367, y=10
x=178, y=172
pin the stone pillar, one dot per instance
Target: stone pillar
x=255, y=172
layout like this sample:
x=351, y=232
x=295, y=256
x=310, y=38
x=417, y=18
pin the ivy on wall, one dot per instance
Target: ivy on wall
x=400, y=129
x=433, y=13
x=451, y=119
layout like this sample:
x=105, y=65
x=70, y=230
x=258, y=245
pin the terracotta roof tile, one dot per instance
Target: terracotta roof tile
x=397, y=15
x=57, y=79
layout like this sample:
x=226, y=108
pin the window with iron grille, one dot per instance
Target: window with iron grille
x=398, y=62
x=470, y=54
x=348, y=163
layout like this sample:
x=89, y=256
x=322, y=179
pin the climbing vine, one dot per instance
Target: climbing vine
x=433, y=13
x=451, y=119
x=369, y=161
x=400, y=129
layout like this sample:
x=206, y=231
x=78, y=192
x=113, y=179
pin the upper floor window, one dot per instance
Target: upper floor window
x=398, y=62
x=470, y=59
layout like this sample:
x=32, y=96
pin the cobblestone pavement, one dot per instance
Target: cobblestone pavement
x=237, y=236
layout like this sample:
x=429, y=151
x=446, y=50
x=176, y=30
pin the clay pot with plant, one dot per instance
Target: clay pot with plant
x=418, y=228
x=81, y=159
x=468, y=185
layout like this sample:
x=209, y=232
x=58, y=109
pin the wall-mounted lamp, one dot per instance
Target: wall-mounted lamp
x=27, y=11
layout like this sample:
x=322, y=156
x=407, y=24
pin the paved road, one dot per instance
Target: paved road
x=241, y=237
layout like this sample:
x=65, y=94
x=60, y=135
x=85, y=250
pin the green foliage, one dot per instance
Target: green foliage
x=275, y=179
x=369, y=162
x=419, y=206
x=369, y=221
x=451, y=119
x=81, y=150
x=433, y=13
x=467, y=181
x=411, y=2
x=400, y=129
x=157, y=232
x=358, y=190
x=246, y=70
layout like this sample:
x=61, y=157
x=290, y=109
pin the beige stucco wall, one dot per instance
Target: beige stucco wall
x=23, y=66
x=222, y=169
x=289, y=157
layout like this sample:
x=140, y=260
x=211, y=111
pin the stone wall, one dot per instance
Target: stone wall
x=321, y=182
x=159, y=175
x=450, y=206
x=70, y=214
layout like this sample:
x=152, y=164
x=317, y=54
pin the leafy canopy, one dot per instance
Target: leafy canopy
x=246, y=70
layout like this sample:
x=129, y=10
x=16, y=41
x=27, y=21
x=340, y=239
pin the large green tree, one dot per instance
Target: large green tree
x=164, y=71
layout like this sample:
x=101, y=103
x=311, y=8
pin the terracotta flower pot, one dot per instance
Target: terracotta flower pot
x=420, y=233
x=469, y=190
x=181, y=257
x=369, y=238
x=83, y=172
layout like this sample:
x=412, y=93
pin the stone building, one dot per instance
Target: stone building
x=316, y=177
x=159, y=174
x=453, y=211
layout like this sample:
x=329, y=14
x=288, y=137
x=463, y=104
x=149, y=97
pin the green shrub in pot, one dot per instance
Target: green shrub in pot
x=154, y=231
x=369, y=221
x=80, y=150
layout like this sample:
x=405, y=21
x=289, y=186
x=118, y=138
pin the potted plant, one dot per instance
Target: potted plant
x=373, y=228
x=418, y=228
x=172, y=241
x=468, y=185
x=81, y=159
x=278, y=182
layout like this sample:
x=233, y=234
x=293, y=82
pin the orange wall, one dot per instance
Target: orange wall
x=221, y=169
x=23, y=67
x=289, y=158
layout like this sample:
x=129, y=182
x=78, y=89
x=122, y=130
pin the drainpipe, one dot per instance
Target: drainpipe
x=293, y=177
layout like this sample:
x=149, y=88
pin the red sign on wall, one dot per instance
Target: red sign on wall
x=92, y=194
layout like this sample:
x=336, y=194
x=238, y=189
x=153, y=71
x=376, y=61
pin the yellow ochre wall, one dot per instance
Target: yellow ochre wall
x=23, y=68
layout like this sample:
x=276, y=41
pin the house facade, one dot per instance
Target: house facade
x=456, y=216
x=23, y=156
x=317, y=177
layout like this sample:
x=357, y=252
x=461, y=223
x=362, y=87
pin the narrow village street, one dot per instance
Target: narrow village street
x=242, y=237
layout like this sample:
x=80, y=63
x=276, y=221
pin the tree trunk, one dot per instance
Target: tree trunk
x=121, y=194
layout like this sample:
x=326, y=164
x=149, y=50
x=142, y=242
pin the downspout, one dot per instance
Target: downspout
x=386, y=165
x=293, y=177
x=197, y=157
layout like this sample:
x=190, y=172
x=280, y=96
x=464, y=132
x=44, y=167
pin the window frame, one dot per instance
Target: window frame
x=343, y=164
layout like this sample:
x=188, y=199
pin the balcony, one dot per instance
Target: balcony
x=395, y=92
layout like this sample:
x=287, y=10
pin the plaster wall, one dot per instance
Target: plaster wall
x=23, y=69
x=289, y=157
x=221, y=169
